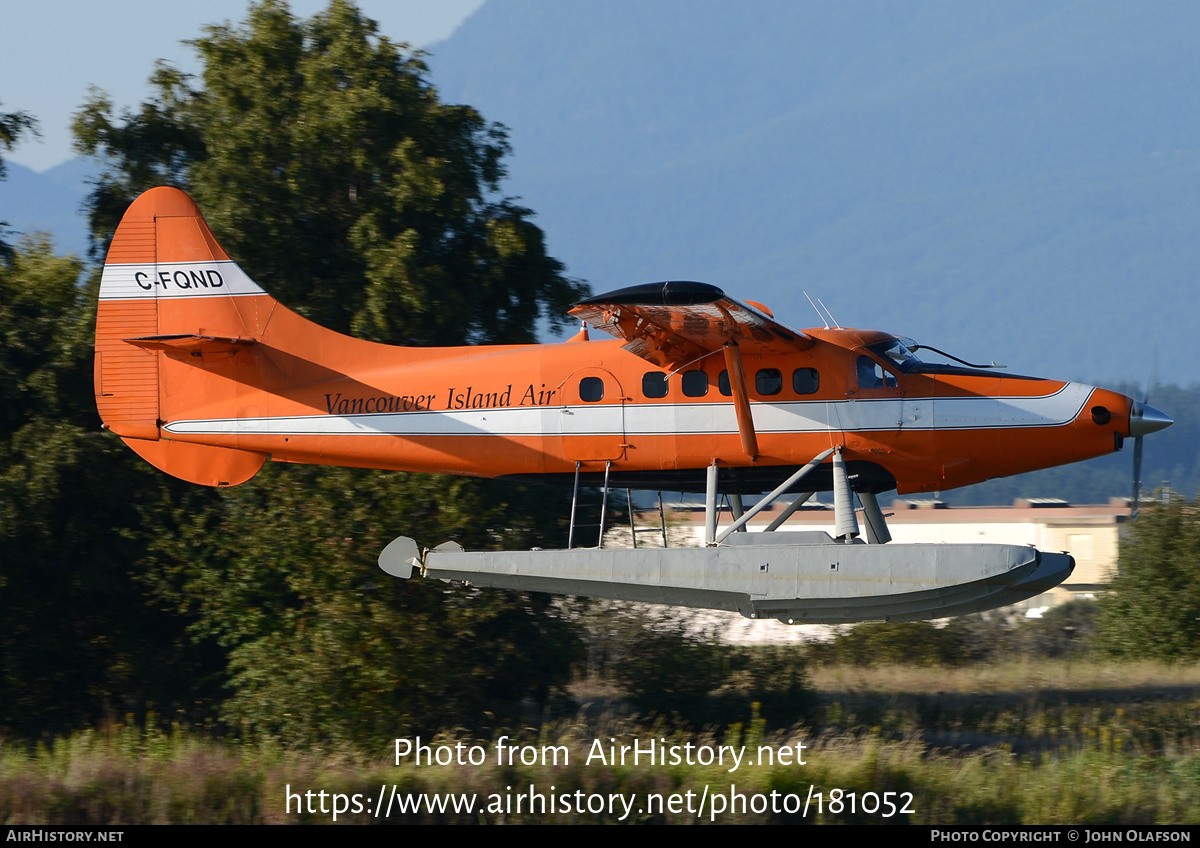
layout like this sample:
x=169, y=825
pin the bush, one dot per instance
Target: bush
x=775, y=677
x=908, y=642
x=1065, y=631
x=1152, y=609
x=671, y=665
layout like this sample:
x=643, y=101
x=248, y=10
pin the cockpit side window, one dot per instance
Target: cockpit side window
x=897, y=351
x=872, y=375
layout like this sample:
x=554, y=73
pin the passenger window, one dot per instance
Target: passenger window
x=591, y=389
x=805, y=381
x=695, y=383
x=768, y=381
x=723, y=384
x=654, y=384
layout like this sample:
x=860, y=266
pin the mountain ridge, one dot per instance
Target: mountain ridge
x=928, y=168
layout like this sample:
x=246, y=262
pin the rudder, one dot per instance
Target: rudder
x=169, y=292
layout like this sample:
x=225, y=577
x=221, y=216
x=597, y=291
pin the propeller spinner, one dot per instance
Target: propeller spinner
x=1143, y=419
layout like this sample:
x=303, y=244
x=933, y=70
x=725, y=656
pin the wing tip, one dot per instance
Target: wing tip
x=667, y=293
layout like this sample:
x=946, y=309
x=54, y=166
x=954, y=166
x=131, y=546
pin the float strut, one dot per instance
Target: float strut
x=843, y=507
x=574, y=502
x=789, y=511
x=632, y=526
x=736, y=508
x=771, y=498
x=604, y=503
x=710, y=505
x=877, y=529
x=662, y=520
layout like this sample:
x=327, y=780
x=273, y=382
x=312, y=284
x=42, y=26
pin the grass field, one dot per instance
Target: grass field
x=1028, y=742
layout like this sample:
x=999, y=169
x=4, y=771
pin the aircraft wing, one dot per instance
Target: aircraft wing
x=671, y=324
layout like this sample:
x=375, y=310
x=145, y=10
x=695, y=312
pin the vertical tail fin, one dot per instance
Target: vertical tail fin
x=172, y=300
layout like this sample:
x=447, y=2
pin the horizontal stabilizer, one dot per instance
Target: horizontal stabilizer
x=189, y=343
x=205, y=465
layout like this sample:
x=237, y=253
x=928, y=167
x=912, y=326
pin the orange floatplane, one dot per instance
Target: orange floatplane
x=207, y=376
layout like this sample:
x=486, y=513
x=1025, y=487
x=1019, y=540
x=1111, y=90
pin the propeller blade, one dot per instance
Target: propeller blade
x=1143, y=419
x=1137, y=477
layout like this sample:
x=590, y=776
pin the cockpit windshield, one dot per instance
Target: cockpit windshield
x=899, y=351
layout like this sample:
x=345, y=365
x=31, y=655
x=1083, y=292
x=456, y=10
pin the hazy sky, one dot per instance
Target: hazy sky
x=51, y=51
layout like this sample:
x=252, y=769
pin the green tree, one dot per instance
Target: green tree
x=329, y=169
x=13, y=125
x=663, y=660
x=78, y=641
x=331, y=172
x=322, y=645
x=1152, y=608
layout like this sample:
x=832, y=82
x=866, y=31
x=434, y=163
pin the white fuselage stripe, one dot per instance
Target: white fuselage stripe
x=958, y=413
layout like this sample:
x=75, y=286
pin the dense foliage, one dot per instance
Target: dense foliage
x=1153, y=611
x=330, y=170
x=78, y=640
x=13, y=125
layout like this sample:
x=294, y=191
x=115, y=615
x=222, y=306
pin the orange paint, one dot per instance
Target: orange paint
x=206, y=376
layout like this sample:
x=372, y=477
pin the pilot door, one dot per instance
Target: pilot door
x=873, y=416
x=889, y=418
x=591, y=419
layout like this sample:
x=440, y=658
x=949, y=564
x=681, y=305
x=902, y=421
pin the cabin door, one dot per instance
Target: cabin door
x=592, y=415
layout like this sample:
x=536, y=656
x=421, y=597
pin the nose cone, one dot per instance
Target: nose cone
x=1144, y=418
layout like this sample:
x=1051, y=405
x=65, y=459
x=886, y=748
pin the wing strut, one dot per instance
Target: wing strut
x=741, y=399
